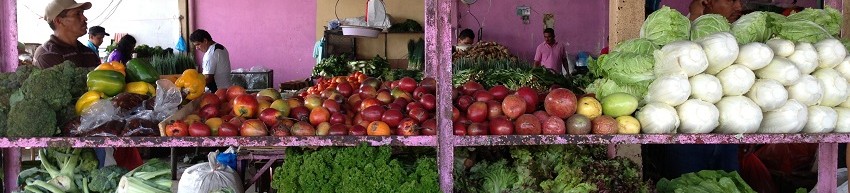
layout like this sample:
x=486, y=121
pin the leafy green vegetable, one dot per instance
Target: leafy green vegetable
x=798, y=30
x=106, y=179
x=638, y=46
x=665, y=25
x=603, y=87
x=709, y=24
x=705, y=181
x=553, y=168
x=153, y=176
x=828, y=18
x=354, y=169
x=335, y=65
x=627, y=68
x=752, y=27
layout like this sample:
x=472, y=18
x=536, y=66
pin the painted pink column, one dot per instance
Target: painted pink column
x=12, y=166
x=438, y=62
x=827, y=166
x=8, y=35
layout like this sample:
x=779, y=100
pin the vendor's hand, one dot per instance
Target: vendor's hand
x=696, y=9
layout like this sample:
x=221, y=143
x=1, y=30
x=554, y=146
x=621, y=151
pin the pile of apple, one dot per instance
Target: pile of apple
x=232, y=112
x=526, y=111
x=345, y=105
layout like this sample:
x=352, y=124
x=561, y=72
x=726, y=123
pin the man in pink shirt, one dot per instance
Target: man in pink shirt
x=551, y=54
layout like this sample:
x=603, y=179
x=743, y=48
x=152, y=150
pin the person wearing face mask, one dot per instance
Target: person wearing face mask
x=66, y=19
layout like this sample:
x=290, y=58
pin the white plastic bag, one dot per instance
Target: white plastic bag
x=209, y=177
x=376, y=15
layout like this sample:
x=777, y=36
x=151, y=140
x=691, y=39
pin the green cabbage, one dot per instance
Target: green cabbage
x=627, y=68
x=829, y=18
x=752, y=27
x=798, y=30
x=709, y=24
x=665, y=25
x=638, y=46
x=603, y=87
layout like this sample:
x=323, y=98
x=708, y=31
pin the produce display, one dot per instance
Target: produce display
x=75, y=170
x=764, y=73
x=554, y=168
x=511, y=73
x=35, y=102
x=358, y=169
x=342, y=65
x=332, y=107
x=485, y=50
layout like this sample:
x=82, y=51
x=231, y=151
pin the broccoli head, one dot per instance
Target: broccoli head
x=23, y=72
x=31, y=118
x=106, y=179
x=49, y=85
x=76, y=77
x=3, y=115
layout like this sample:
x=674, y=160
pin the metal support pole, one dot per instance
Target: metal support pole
x=11, y=168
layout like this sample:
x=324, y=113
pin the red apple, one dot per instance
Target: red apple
x=210, y=98
x=429, y=102
x=280, y=130
x=499, y=92
x=392, y=117
x=418, y=114
x=407, y=84
x=253, y=127
x=221, y=94
x=338, y=129
x=271, y=116
x=235, y=91
x=429, y=83
x=208, y=111
x=228, y=129
x=302, y=128
x=199, y=129
x=459, y=128
x=470, y=87
x=337, y=118
x=245, y=106
x=482, y=95
x=357, y=130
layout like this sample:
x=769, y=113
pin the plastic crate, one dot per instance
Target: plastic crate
x=253, y=81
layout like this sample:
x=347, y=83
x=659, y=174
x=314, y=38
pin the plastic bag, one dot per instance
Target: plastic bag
x=228, y=158
x=141, y=124
x=168, y=98
x=101, y=119
x=258, y=79
x=208, y=177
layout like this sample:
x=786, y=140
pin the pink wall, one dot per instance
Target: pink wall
x=581, y=23
x=276, y=34
x=682, y=5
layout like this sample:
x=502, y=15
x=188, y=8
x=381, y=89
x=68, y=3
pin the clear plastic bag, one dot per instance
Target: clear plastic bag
x=168, y=98
x=257, y=79
x=101, y=119
x=141, y=124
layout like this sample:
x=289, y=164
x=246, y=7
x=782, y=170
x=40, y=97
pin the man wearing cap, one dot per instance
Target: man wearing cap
x=66, y=19
x=96, y=34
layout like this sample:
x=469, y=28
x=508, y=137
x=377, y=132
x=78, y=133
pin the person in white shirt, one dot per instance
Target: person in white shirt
x=216, y=63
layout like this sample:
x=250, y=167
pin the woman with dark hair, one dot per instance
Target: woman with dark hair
x=124, y=50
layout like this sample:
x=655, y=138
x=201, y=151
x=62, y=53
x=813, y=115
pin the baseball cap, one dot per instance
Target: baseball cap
x=96, y=30
x=57, y=6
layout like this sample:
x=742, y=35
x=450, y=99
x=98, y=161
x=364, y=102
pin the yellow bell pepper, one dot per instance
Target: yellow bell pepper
x=88, y=99
x=140, y=87
x=192, y=82
x=114, y=66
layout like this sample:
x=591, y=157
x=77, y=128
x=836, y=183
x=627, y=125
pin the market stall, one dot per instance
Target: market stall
x=349, y=105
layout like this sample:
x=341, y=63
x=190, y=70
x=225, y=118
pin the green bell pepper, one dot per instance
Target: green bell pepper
x=140, y=70
x=108, y=82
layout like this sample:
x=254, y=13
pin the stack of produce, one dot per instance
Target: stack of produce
x=764, y=73
x=173, y=63
x=485, y=50
x=119, y=105
x=357, y=169
x=501, y=111
x=332, y=107
x=75, y=170
x=342, y=66
x=554, y=168
x=35, y=102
